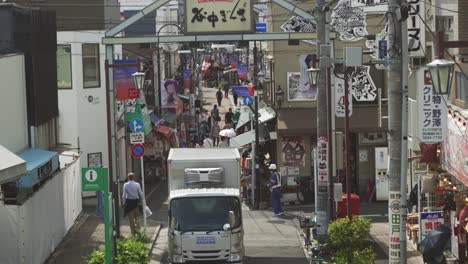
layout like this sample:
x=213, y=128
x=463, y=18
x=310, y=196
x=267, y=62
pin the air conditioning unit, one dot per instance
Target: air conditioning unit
x=204, y=175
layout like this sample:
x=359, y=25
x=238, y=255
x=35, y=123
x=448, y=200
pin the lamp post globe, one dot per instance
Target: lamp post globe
x=313, y=75
x=138, y=80
x=441, y=72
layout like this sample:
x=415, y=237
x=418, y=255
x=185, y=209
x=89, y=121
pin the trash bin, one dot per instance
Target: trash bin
x=354, y=205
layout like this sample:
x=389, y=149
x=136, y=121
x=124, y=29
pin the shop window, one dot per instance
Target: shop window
x=91, y=70
x=64, y=67
x=461, y=92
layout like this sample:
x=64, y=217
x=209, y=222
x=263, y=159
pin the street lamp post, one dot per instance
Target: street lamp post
x=441, y=72
x=159, y=64
x=138, y=81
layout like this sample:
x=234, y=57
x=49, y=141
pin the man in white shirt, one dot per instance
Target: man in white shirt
x=132, y=194
x=207, y=142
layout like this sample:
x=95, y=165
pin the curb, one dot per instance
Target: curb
x=154, y=237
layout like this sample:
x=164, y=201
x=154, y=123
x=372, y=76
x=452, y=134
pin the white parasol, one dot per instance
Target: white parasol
x=227, y=133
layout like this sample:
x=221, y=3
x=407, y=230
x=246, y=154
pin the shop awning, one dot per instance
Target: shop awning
x=244, y=117
x=184, y=97
x=155, y=119
x=242, y=139
x=165, y=130
x=266, y=114
x=11, y=166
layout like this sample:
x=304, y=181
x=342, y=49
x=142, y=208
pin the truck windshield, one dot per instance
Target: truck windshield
x=204, y=213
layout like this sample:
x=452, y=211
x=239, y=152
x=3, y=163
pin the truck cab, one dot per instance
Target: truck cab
x=205, y=212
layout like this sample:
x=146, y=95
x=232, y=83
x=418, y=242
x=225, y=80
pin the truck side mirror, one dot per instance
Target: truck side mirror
x=232, y=218
x=226, y=227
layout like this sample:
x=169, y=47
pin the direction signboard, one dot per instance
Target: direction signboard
x=94, y=179
x=261, y=27
x=138, y=150
x=136, y=125
x=137, y=138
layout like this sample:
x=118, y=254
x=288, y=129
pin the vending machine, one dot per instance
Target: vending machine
x=381, y=177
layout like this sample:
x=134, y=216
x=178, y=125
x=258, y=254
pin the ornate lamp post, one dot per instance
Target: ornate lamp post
x=441, y=72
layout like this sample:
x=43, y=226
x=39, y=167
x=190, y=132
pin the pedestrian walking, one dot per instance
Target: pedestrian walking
x=228, y=116
x=215, y=133
x=234, y=96
x=132, y=196
x=275, y=186
x=215, y=114
x=219, y=96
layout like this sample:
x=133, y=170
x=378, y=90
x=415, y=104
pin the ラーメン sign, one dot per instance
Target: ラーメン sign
x=218, y=16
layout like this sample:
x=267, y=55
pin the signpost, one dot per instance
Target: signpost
x=138, y=150
x=137, y=138
x=136, y=125
x=339, y=99
x=96, y=180
x=248, y=100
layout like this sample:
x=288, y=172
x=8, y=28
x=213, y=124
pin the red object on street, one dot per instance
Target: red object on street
x=354, y=205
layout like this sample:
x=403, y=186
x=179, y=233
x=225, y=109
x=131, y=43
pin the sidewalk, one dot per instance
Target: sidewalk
x=88, y=235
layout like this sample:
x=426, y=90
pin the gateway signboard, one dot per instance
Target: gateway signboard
x=218, y=16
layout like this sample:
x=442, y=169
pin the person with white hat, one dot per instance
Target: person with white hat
x=275, y=186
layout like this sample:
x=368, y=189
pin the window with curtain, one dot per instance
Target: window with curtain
x=462, y=87
x=91, y=73
x=64, y=68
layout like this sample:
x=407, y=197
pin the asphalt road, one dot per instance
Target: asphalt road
x=267, y=239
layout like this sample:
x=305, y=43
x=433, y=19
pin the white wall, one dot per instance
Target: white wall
x=31, y=232
x=80, y=118
x=13, y=111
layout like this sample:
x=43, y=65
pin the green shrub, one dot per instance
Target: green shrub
x=366, y=256
x=129, y=251
x=348, y=238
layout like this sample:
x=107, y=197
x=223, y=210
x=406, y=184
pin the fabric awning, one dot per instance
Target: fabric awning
x=11, y=166
x=183, y=97
x=165, y=130
x=244, y=117
x=266, y=114
x=155, y=119
x=243, y=139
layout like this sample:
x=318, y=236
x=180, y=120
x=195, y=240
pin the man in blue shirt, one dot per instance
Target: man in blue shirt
x=275, y=186
x=132, y=194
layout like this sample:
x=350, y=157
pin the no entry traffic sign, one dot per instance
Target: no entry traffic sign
x=138, y=150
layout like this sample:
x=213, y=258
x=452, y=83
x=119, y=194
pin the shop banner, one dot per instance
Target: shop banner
x=123, y=81
x=293, y=151
x=234, y=60
x=243, y=72
x=186, y=81
x=454, y=157
x=322, y=164
x=430, y=221
x=241, y=91
x=395, y=227
x=432, y=110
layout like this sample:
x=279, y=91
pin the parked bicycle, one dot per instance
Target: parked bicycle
x=305, y=189
x=308, y=226
x=318, y=255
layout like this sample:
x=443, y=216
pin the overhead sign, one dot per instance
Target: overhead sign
x=340, y=99
x=137, y=138
x=432, y=110
x=261, y=27
x=136, y=125
x=241, y=91
x=94, y=179
x=138, y=151
x=123, y=81
x=218, y=16
x=248, y=100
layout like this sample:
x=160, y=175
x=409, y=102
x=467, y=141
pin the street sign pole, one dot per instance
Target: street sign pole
x=96, y=180
x=144, y=192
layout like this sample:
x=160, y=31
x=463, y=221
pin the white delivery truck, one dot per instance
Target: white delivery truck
x=205, y=216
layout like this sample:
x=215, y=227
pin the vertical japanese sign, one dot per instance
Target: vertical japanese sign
x=218, y=16
x=430, y=221
x=340, y=99
x=395, y=227
x=432, y=111
x=322, y=164
x=123, y=81
x=416, y=28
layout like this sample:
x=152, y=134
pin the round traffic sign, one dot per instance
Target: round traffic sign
x=138, y=150
x=91, y=175
x=248, y=100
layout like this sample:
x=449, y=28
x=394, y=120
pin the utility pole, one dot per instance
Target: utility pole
x=398, y=53
x=322, y=207
x=256, y=156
